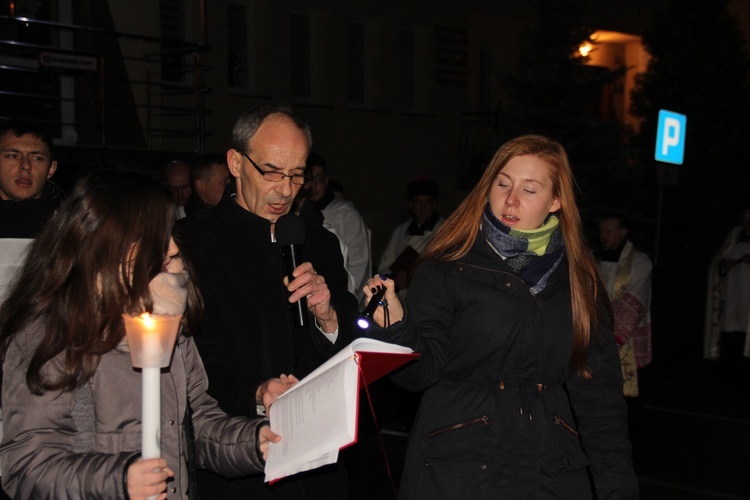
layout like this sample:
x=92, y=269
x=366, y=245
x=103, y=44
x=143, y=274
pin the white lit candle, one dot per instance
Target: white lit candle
x=151, y=339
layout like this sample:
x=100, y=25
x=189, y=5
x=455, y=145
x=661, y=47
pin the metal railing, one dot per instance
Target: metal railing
x=100, y=88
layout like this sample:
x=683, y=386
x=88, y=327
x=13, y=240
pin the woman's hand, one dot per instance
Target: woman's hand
x=148, y=478
x=271, y=389
x=265, y=436
x=395, y=309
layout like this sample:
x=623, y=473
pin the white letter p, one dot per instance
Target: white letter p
x=671, y=134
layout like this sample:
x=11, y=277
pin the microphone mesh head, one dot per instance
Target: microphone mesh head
x=289, y=230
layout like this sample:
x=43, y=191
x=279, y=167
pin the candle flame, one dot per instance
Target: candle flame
x=148, y=321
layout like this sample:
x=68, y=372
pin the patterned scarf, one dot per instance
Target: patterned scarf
x=534, y=254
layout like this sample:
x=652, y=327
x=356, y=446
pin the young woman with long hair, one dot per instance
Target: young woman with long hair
x=523, y=390
x=71, y=398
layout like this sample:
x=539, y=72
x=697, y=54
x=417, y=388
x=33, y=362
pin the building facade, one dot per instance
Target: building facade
x=392, y=90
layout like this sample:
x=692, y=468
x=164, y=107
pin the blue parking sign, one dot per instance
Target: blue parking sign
x=670, y=137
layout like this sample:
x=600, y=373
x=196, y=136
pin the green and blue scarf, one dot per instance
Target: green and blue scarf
x=533, y=254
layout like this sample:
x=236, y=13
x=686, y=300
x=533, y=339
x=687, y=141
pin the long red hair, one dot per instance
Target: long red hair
x=456, y=236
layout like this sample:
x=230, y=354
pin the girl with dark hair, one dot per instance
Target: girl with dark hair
x=71, y=398
x=523, y=390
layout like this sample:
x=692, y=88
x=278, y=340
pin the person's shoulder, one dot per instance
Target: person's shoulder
x=342, y=206
x=308, y=212
x=196, y=227
x=399, y=232
x=317, y=234
x=322, y=242
x=447, y=273
x=197, y=235
x=640, y=257
x=402, y=226
x=208, y=222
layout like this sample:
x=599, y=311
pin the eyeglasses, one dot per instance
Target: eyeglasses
x=275, y=176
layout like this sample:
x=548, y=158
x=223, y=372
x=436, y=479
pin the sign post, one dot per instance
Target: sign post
x=670, y=148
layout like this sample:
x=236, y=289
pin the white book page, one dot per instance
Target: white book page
x=317, y=417
x=314, y=421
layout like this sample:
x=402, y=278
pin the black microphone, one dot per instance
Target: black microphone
x=290, y=234
x=366, y=317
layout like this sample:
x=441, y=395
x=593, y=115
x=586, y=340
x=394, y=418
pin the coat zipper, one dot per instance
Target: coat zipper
x=484, y=419
x=560, y=421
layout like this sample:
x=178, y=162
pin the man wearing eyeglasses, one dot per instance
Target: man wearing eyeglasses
x=248, y=334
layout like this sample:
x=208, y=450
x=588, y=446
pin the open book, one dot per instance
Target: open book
x=318, y=416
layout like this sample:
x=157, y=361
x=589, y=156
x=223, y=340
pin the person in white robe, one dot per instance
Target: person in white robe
x=728, y=297
x=626, y=272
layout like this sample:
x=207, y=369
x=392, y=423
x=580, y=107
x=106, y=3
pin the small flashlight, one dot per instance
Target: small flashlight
x=365, y=318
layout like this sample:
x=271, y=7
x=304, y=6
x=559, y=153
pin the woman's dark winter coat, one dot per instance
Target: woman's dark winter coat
x=503, y=414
